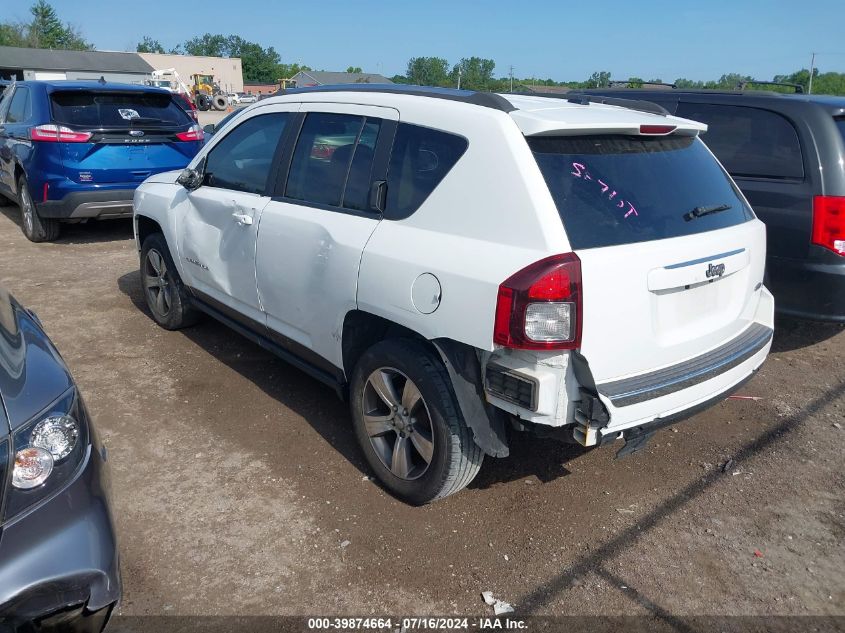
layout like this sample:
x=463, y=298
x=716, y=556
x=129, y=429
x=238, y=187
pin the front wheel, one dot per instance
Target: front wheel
x=166, y=297
x=408, y=422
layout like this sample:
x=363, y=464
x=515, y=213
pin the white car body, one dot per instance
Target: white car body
x=648, y=307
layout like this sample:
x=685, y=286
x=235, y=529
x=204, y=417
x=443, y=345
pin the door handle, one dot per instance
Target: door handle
x=242, y=219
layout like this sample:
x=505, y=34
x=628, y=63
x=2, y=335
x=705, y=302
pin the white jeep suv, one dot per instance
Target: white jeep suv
x=460, y=265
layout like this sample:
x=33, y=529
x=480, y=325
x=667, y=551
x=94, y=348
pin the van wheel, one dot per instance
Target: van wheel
x=164, y=292
x=36, y=228
x=408, y=422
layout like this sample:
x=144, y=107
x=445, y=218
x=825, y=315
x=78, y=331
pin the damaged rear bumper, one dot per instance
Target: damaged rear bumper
x=559, y=390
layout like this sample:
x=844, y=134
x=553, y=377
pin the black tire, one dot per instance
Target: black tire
x=219, y=102
x=455, y=457
x=34, y=227
x=164, y=293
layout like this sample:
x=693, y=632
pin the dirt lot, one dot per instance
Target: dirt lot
x=236, y=479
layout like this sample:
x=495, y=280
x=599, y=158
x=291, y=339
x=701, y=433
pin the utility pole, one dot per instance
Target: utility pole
x=459, y=77
x=511, y=75
x=812, y=69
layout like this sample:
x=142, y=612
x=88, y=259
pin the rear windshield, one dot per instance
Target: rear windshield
x=97, y=109
x=613, y=190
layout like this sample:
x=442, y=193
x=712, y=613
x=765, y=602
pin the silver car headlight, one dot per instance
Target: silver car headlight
x=47, y=452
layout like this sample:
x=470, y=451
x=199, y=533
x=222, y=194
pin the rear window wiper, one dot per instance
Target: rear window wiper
x=699, y=212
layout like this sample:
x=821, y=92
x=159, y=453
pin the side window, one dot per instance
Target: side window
x=243, y=158
x=20, y=109
x=749, y=141
x=421, y=158
x=334, y=153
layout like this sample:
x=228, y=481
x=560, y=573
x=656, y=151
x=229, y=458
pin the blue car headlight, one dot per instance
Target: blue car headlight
x=46, y=453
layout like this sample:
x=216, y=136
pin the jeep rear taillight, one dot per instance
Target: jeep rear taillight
x=53, y=133
x=540, y=306
x=829, y=223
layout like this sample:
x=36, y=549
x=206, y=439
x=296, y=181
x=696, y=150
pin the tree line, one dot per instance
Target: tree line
x=264, y=64
x=44, y=30
x=477, y=73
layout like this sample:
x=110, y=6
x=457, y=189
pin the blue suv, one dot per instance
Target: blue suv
x=75, y=150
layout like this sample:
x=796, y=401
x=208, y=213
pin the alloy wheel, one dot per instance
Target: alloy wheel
x=157, y=283
x=398, y=424
x=26, y=207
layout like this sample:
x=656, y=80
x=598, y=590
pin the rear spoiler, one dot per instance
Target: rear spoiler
x=656, y=122
x=584, y=99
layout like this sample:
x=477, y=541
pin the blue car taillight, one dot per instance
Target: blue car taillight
x=46, y=453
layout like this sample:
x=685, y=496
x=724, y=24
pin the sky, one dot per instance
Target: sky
x=565, y=40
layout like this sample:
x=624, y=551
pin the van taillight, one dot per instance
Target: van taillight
x=540, y=306
x=52, y=133
x=194, y=134
x=829, y=223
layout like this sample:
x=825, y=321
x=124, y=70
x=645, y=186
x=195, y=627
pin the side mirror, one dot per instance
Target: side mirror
x=190, y=179
x=208, y=129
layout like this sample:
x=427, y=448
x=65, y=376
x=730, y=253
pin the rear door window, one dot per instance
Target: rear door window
x=20, y=109
x=420, y=159
x=109, y=110
x=333, y=160
x=242, y=160
x=612, y=190
x=750, y=142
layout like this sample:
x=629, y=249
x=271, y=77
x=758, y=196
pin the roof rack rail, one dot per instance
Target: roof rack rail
x=798, y=88
x=625, y=83
x=586, y=99
x=484, y=99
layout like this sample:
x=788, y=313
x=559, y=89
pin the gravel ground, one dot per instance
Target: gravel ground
x=238, y=487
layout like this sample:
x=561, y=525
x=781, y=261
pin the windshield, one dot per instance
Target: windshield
x=97, y=109
x=612, y=190
x=840, y=123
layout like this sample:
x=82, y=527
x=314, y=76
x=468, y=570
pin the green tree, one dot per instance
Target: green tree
x=259, y=64
x=688, y=83
x=149, y=45
x=476, y=73
x=829, y=83
x=287, y=71
x=12, y=34
x=599, y=79
x=428, y=71
x=354, y=69
x=47, y=31
x=207, y=45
